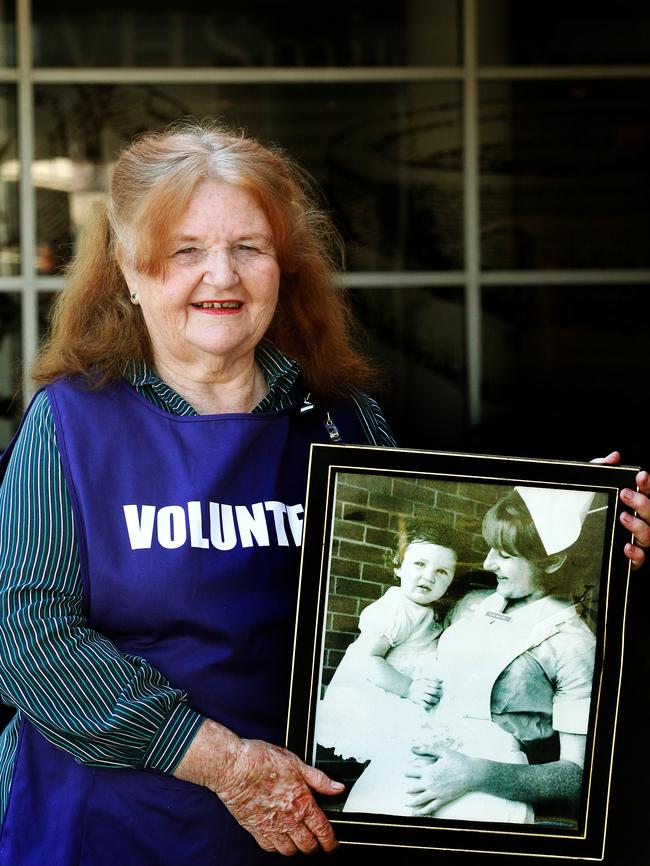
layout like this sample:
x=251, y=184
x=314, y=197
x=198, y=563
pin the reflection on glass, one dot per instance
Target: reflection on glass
x=9, y=171
x=557, y=32
x=388, y=157
x=416, y=336
x=251, y=33
x=10, y=404
x=558, y=367
x=565, y=177
x=7, y=33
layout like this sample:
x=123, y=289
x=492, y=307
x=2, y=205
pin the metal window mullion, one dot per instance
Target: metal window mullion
x=471, y=214
x=563, y=73
x=254, y=75
x=620, y=276
x=29, y=296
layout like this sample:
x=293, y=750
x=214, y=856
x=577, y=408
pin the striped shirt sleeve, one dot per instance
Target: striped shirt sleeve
x=105, y=708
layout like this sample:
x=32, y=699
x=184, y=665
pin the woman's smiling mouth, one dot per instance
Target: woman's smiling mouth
x=217, y=305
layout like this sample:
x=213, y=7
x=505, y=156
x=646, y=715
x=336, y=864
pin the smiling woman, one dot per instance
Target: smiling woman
x=150, y=516
x=214, y=300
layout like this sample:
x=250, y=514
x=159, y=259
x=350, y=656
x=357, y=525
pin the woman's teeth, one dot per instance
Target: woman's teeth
x=218, y=305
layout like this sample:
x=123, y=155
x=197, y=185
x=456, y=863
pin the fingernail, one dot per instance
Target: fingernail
x=626, y=495
x=338, y=786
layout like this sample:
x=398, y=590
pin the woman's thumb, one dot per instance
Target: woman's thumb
x=318, y=781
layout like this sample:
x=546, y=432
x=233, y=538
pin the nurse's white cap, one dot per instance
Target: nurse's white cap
x=558, y=515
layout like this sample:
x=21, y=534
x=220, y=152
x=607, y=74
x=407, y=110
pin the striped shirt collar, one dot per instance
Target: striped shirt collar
x=281, y=374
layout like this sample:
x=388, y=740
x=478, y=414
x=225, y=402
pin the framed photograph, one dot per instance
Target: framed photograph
x=458, y=648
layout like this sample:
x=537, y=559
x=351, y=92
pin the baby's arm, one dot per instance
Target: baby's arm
x=373, y=650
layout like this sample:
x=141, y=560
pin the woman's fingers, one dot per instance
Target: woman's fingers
x=638, y=525
x=308, y=842
x=643, y=482
x=321, y=829
x=635, y=554
x=285, y=844
x=280, y=843
x=264, y=843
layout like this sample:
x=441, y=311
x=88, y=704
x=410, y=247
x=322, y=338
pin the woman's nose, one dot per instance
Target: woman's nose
x=490, y=560
x=220, y=269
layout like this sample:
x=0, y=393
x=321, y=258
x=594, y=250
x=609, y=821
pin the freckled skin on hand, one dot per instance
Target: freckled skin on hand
x=265, y=788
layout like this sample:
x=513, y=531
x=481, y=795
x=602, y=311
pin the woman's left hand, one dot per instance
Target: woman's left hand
x=445, y=775
x=639, y=501
x=266, y=789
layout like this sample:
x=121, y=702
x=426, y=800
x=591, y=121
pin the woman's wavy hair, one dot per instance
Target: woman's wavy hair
x=96, y=330
x=509, y=527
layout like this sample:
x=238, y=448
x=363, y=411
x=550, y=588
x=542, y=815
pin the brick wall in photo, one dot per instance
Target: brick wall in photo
x=369, y=510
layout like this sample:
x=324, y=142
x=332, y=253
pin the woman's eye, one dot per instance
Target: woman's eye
x=186, y=251
x=246, y=248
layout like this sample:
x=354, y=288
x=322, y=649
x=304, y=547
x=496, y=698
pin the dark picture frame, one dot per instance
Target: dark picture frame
x=359, y=501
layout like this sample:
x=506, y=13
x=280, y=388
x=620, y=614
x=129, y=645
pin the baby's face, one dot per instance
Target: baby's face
x=426, y=571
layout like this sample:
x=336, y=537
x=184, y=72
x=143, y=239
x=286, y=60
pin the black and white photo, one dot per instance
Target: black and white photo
x=458, y=678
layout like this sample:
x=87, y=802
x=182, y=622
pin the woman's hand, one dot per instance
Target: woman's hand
x=443, y=775
x=425, y=692
x=638, y=501
x=265, y=788
x=639, y=524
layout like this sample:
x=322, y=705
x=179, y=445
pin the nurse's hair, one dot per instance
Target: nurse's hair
x=508, y=527
x=413, y=531
x=96, y=330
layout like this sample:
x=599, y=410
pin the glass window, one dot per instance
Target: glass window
x=7, y=33
x=388, y=157
x=10, y=402
x=251, y=33
x=45, y=301
x=416, y=337
x=557, y=32
x=9, y=171
x=559, y=365
x=565, y=176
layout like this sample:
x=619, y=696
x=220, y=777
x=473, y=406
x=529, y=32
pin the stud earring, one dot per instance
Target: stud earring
x=134, y=296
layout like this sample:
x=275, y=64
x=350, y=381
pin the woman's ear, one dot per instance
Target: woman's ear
x=556, y=563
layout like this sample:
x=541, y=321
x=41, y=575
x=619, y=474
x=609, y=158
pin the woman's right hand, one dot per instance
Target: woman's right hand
x=265, y=788
x=444, y=775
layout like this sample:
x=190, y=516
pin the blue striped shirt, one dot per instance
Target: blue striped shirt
x=105, y=708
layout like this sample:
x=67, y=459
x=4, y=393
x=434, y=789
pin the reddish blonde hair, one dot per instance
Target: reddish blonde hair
x=96, y=331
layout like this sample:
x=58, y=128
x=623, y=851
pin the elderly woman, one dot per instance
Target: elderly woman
x=150, y=517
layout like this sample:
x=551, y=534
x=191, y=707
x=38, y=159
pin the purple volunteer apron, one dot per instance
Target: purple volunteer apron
x=189, y=531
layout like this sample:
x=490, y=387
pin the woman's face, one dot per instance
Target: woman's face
x=426, y=571
x=221, y=288
x=517, y=578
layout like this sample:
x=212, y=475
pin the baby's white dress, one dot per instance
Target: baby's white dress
x=359, y=719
